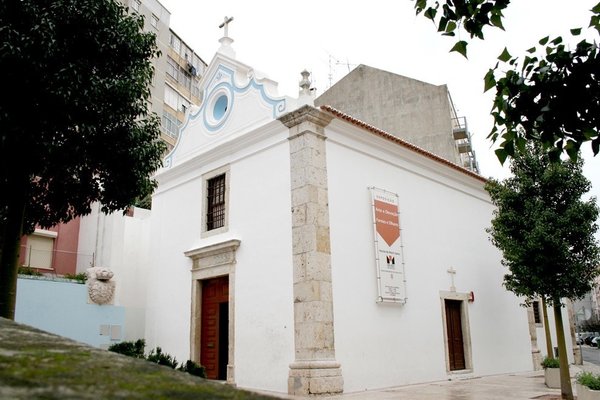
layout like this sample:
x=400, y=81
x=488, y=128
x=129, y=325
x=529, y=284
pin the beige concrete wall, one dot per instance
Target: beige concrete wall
x=413, y=110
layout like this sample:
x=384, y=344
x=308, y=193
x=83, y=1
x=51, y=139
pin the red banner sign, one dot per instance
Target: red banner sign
x=386, y=221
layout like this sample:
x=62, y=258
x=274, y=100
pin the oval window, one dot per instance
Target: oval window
x=220, y=107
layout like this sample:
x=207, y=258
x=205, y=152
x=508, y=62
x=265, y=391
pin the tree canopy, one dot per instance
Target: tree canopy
x=74, y=116
x=545, y=231
x=550, y=96
x=544, y=228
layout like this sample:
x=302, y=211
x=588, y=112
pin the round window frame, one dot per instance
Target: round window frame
x=209, y=111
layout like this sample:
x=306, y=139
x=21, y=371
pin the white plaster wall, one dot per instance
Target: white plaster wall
x=175, y=228
x=121, y=243
x=382, y=345
x=260, y=218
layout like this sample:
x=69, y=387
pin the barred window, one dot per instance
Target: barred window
x=215, y=211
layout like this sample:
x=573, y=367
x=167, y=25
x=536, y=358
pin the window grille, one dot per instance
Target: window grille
x=215, y=214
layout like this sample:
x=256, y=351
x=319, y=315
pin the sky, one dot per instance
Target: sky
x=330, y=38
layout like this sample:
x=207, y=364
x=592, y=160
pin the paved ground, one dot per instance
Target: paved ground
x=519, y=386
x=591, y=354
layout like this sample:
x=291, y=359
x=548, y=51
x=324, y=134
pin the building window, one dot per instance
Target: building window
x=171, y=98
x=536, y=312
x=184, y=78
x=215, y=202
x=175, y=43
x=39, y=251
x=170, y=124
x=172, y=68
x=154, y=21
x=175, y=100
x=135, y=5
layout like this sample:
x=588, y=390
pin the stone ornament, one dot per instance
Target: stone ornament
x=100, y=287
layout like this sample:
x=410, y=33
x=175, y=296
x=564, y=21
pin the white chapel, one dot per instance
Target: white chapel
x=298, y=249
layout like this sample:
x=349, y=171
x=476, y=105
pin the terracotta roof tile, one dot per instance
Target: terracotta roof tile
x=400, y=141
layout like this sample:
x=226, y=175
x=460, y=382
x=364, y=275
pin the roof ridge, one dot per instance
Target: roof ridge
x=388, y=136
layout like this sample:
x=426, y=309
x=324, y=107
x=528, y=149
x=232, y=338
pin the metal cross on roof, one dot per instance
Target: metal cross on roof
x=225, y=24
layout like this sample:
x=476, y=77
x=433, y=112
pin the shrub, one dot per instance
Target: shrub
x=160, y=358
x=193, y=368
x=550, y=362
x=24, y=270
x=136, y=350
x=80, y=277
x=588, y=379
x=131, y=349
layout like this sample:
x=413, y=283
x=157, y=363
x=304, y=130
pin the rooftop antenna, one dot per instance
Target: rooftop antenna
x=333, y=62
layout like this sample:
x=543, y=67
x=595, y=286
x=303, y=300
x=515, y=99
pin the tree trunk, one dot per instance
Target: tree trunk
x=10, y=244
x=566, y=390
x=549, y=349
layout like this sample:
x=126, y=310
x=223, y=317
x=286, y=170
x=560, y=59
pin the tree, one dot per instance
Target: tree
x=545, y=231
x=74, y=122
x=534, y=96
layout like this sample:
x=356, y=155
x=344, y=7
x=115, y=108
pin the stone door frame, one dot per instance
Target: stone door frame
x=466, y=331
x=209, y=262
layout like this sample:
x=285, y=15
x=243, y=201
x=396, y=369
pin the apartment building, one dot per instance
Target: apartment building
x=177, y=72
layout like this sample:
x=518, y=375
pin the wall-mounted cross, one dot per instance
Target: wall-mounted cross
x=452, y=272
x=225, y=24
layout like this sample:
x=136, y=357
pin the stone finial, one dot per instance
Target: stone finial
x=100, y=287
x=305, y=83
x=306, y=95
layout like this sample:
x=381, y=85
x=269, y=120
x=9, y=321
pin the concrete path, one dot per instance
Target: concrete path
x=517, y=386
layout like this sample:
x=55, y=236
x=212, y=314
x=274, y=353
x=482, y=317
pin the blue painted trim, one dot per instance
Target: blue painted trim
x=278, y=106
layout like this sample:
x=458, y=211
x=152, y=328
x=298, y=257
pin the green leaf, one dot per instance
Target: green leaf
x=557, y=40
x=543, y=41
x=430, y=13
x=531, y=50
x=450, y=27
x=489, y=80
x=595, y=146
x=420, y=5
x=596, y=9
x=521, y=143
x=497, y=21
x=589, y=133
x=442, y=24
x=502, y=155
x=576, y=31
x=461, y=47
x=505, y=56
x=572, y=149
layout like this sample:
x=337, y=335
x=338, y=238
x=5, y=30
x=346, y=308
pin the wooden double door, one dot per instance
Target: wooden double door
x=214, y=336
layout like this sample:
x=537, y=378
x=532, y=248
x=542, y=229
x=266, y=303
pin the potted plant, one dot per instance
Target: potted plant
x=551, y=372
x=587, y=386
